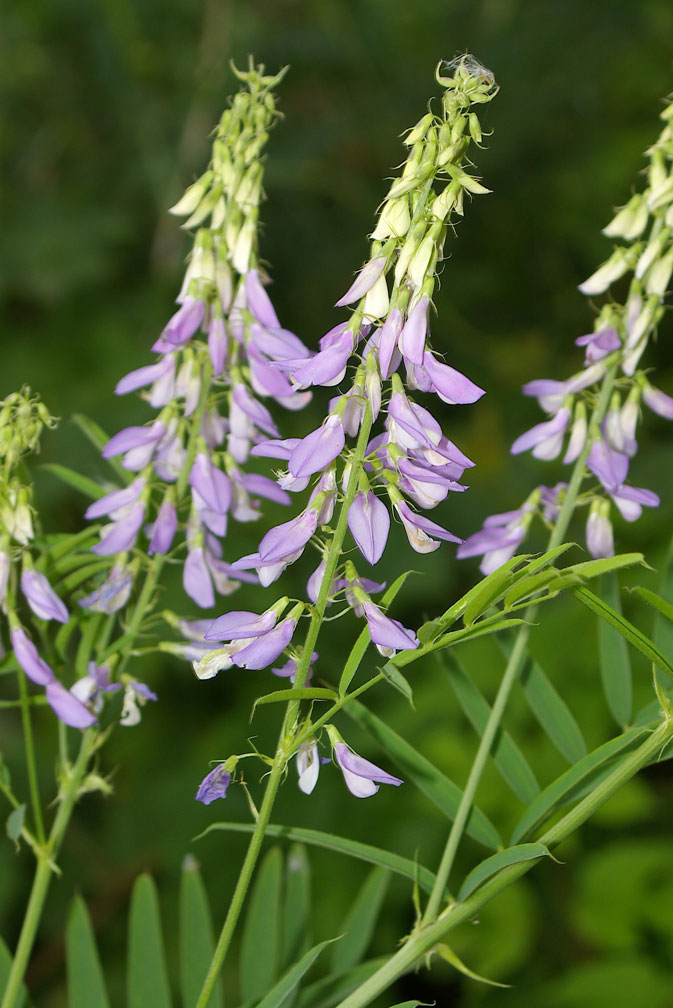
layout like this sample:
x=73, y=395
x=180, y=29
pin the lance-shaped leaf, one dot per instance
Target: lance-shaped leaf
x=555, y=793
x=450, y=957
x=358, y=927
x=5, y=966
x=626, y=629
x=197, y=942
x=552, y=713
x=504, y=858
x=340, y=845
x=431, y=781
x=332, y=989
x=86, y=486
x=147, y=975
x=86, y=985
x=615, y=666
x=260, y=943
x=507, y=756
x=296, y=906
x=279, y=993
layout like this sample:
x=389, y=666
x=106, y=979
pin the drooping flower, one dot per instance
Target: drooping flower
x=362, y=777
x=214, y=785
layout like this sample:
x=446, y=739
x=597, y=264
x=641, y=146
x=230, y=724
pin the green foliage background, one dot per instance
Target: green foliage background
x=106, y=109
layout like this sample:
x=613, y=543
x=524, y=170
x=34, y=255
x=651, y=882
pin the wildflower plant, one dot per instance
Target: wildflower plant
x=224, y=372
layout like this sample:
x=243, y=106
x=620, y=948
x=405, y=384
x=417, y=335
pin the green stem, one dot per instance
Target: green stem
x=44, y=871
x=287, y=743
x=31, y=767
x=514, y=666
x=424, y=940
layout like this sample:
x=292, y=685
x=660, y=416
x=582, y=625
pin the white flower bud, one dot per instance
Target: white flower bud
x=651, y=253
x=188, y=203
x=394, y=220
x=659, y=275
x=419, y=264
x=243, y=247
x=377, y=300
x=630, y=221
x=613, y=269
x=205, y=207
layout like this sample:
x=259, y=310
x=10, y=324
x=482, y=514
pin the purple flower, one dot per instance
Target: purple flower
x=90, y=688
x=217, y=344
x=412, y=338
x=41, y=597
x=318, y=449
x=266, y=648
x=112, y=594
x=181, y=326
x=121, y=534
x=145, y=376
x=545, y=438
x=196, y=578
x=214, y=785
x=363, y=282
x=362, y=777
x=388, y=634
x=658, y=401
x=600, y=542
x=211, y=484
x=369, y=522
x=236, y=625
x=389, y=335
x=599, y=344
x=498, y=539
x=116, y=499
x=420, y=530
x=26, y=655
x=327, y=367
x=164, y=528
x=259, y=301
x=289, y=538
x=137, y=444
x=450, y=385
x=67, y=707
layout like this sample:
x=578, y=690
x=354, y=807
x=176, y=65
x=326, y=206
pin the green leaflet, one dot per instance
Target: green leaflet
x=392, y=674
x=361, y=644
x=552, y=713
x=450, y=956
x=360, y=921
x=656, y=601
x=197, y=942
x=147, y=976
x=509, y=759
x=5, y=966
x=341, y=845
x=278, y=995
x=626, y=629
x=431, y=781
x=510, y=856
x=331, y=990
x=86, y=985
x=297, y=905
x=299, y=693
x=86, y=486
x=260, y=943
x=554, y=793
x=615, y=666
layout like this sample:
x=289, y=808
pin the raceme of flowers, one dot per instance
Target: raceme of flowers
x=620, y=337
x=407, y=468
x=215, y=363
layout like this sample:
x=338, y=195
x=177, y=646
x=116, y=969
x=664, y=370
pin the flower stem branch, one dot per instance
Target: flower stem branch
x=514, y=666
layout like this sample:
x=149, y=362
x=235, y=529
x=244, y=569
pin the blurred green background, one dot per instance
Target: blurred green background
x=106, y=111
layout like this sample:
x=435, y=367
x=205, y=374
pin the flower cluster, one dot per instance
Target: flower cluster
x=613, y=350
x=409, y=466
x=216, y=358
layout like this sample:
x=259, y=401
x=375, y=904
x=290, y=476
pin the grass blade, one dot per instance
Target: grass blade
x=147, y=976
x=197, y=942
x=86, y=985
x=260, y=945
x=614, y=662
x=86, y=486
x=431, y=781
x=5, y=967
x=332, y=989
x=360, y=921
